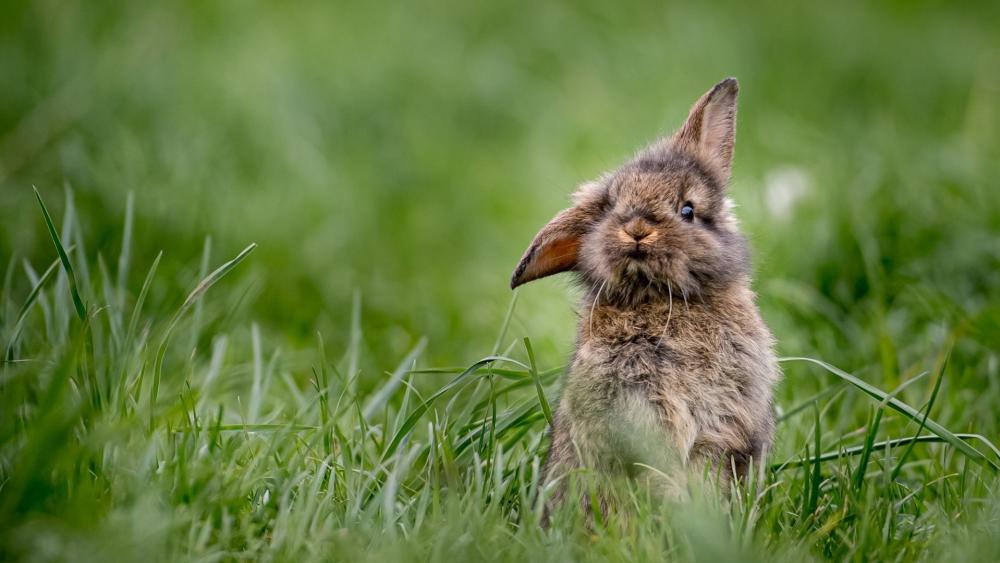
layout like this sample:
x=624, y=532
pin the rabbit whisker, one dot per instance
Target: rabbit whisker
x=594, y=305
x=670, y=312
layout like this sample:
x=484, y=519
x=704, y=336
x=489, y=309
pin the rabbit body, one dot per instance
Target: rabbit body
x=674, y=368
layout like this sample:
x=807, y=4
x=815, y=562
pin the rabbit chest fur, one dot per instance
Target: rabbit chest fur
x=688, y=381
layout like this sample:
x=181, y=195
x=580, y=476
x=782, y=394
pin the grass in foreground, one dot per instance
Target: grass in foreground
x=138, y=434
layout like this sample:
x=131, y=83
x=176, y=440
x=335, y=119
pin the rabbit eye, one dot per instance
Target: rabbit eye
x=687, y=211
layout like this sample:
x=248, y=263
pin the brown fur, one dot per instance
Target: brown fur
x=673, y=365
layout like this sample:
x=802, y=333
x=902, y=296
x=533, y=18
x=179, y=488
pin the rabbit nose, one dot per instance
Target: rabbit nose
x=637, y=229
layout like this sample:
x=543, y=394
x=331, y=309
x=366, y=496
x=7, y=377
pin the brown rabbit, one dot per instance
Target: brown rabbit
x=672, y=359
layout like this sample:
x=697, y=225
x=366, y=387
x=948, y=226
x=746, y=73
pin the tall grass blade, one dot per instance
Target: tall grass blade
x=538, y=382
x=322, y=380
x=258, y=373
x=125, y=256
x=133, y=322
x=816, y=477
x=869, y=445
x=905, y=409
x=111, y=308
x=197, y=292
x=883, y=444
x=26, y=307
x=81, y=310
x=923, y=421
x=206, y=257
x=859, y=475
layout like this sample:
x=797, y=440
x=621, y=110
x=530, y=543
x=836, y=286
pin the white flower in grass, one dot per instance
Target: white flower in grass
x=783, y=188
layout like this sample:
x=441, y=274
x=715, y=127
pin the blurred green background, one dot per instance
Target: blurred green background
x=409, y=151
x=401, y=156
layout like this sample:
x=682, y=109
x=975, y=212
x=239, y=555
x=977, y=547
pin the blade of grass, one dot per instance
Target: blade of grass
x=111, y=308
x=81, y=310
x=905, y=409
x=923, y=421
x=816, y=477
x=322, y=382
x=196, y=293
x=125, y=256
x=869, y=445
x=206, y=257
x=538, y=382
x=859, y=475
x=258, y=373
x=892, y=443
x=23, y=312
x=133, y=321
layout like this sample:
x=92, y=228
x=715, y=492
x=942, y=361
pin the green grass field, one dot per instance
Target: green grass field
x=357, y=385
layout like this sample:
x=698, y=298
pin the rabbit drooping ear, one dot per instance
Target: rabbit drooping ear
x=554, y=249
x=556, y=246
x=710, y=129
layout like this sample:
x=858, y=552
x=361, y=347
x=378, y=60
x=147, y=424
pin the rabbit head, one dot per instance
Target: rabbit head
x=658, y=227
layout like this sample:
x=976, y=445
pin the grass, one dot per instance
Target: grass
x=121, y=443
x=363, y=385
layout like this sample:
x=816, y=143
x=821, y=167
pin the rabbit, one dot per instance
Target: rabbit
x=672, y=363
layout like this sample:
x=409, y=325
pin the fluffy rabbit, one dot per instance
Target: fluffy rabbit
x=672, y=359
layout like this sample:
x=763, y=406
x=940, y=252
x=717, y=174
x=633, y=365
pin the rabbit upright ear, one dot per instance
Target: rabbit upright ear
x=710, y=129
x=554, y=249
